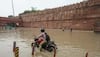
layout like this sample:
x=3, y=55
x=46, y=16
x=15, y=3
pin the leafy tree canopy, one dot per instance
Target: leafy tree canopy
x=29, y=11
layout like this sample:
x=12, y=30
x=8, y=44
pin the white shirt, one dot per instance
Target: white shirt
x=42, y=35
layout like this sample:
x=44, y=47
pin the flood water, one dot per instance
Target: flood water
x=70, y=44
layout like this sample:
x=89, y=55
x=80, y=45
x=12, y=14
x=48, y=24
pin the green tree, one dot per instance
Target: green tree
x=10, y=16
x=33, y=9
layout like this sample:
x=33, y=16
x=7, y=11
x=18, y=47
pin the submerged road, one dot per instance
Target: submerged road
x=70, y=44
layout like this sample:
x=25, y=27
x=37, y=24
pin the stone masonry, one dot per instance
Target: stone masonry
x=81, y=16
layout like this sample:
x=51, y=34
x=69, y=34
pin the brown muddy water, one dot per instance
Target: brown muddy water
x=70, y=44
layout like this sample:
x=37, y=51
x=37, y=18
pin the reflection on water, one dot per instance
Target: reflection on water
x=70, y=44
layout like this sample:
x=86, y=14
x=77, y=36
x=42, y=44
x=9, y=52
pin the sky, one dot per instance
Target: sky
x=22, y=5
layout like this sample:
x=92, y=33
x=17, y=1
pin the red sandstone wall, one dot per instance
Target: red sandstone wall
x=5, y=20
x=76, y=16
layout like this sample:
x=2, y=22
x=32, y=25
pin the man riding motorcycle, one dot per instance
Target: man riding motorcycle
x=42, y=39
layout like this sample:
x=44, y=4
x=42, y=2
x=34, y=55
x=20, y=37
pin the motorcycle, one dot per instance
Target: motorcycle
x=48, y=46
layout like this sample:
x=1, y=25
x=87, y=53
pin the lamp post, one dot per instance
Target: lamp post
x=13, y=7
